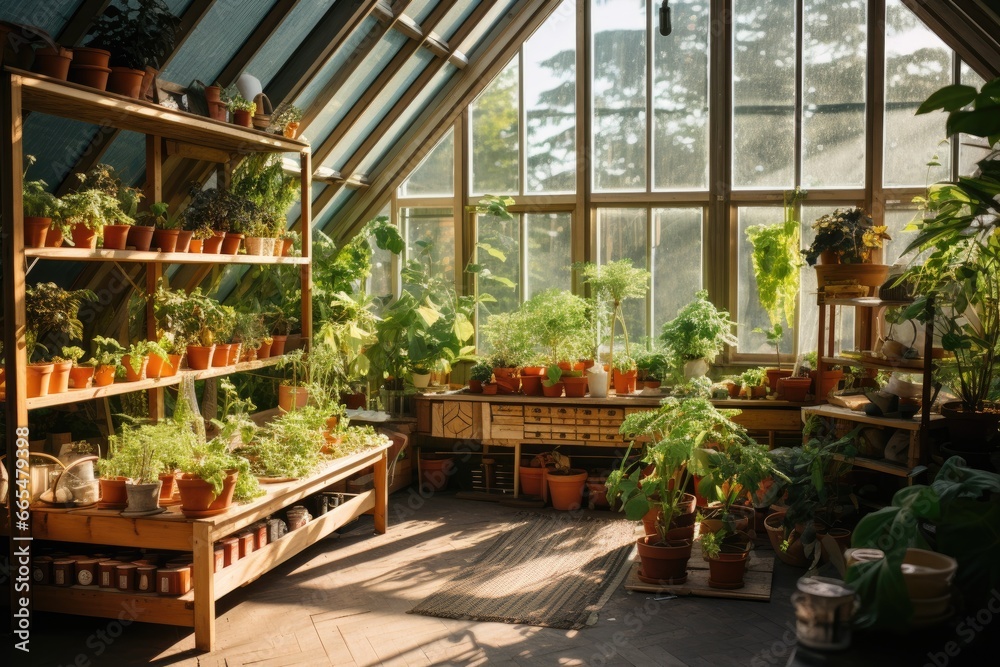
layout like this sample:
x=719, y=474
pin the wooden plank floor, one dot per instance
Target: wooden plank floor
x=343, y=602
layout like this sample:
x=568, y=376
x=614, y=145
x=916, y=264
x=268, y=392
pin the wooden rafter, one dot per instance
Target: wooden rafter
x=99, y=144
x=969, y=27
x=253, y=44
x=78, y=25
x=323, y=41
x=496, y=50
x=358, y=56
x=378, y=87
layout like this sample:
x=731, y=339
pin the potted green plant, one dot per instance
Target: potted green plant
x=843, y=245
x=80, y=376
x=558, y=323
x=136, y=358
x=105, y=178
x=88, y=212
x=653, y=368
x=52, y=313
x=611, y=285
x=956, y=273
x=41, y=208
x=753, y=380
x=508, y=338
x=292, y=391
x=166, y=234
x=192, y=320
x=678, y=433
x=107, y=357
x=727, y=559
x=565, y=484
x=221, y=213
x=286, y=119
x=242, y=110
x=140, y=235
x=479, y=374
x=209, y=478
x=774, y=336
x=698, y=334
x=249, y=331
x=734, y=470
x=139, y=34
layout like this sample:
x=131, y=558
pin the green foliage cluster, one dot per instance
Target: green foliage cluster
x=260, y=178
x=700, y=330
x=849, y=232
x=558, y=323
x=138, y=33
x=53, y=313
x=776, y=262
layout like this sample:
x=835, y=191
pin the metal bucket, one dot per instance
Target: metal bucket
x=823, y=611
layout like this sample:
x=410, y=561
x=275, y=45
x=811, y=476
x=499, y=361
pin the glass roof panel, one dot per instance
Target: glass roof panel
x=483, y=27
x=419, y=9
x=57, y=143
x=215, y=40
x=286, y=39
x=357, y=84
x=455, y=17
x=397, y=86
x=333, y=64
x=49, y=16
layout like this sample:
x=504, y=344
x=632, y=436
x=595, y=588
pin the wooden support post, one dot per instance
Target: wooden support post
x=204, y=587
x=381, y=492
x=306, y=270
x=154, y=270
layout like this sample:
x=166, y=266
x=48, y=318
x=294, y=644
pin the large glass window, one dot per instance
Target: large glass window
x=549, y=252
x=494, y=133
x=430, y=233
x=677, y=261
x=435, y=176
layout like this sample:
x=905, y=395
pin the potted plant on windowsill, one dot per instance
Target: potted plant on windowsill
x=139, y=34
x=698, y=334
x=753, y=382
x=41, y=207
x=611, y=285
x=774, y=336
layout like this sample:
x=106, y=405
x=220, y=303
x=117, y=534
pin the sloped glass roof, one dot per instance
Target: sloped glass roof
x=286, y=39
x=333, y=64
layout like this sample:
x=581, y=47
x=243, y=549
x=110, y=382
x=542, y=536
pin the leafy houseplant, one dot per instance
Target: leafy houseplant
x=52, y=311
x=611, y=284
x=558, y=322
x=88, y=211
x=42, y=210
x=106, y=359
x=960, y=270
x=849, y=233
x=776, y=261
x=138, y=33
x=242, y=109
x=286, y=119
x=752, y=380
x=699, y=332
x=508, y=338
x=479, y=374
x=138, y=357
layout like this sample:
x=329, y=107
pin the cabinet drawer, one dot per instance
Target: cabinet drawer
x=610, y=430
x=587, y=421
x=537, y=432
x=565, y=413
x=537, y=411
x=536, y=419
x=610, y=413
x=507, y=431
x=503, y=409
x=558, y=434
x=563, y=420
x=586, y=412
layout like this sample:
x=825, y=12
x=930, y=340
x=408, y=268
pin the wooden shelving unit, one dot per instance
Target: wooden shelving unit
x=196, y=136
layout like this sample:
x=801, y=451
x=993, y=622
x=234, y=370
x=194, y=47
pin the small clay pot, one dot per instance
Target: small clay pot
x=53, y=62
x=90, y=75
x=126, y=81
x=139, y=237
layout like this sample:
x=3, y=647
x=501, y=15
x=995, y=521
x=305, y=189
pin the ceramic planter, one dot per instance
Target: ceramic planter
x=286, y=247
x=195, y=246
x=167, y=487
x=142, y=497
x=421, y=380
x=695, y=368
x=871, y=276
x=220, y=357
x=36, y=230
x=165, y=240
x=823, y=611
x=213, y=244
x=198, y=498
x=84, y=237
x=508, y=385
x=531, y=385
x=104, y=376
x=53, y=62
x=115, y=236
x=928, y=574
x=663, y=563
x=37, y=383
x=795, y=554
x=234, y=353
x=971, y=431
x=687, y=511
x=59, y=380
x=139, y=237
x=566, y=489
x=434, y=472
x=829, y=382
x=475, y=387
x=199, y=357
x=126, y=81
x=81, y=377
x=264, y=351
x=292, y=398
x=213, y=93
x=597, y=492
x=158, y=368
x=491, y=389
x=290, y=130
x=86, y=55
x=733, y=389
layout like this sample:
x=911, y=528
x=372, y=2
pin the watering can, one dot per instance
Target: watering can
x=598, y=381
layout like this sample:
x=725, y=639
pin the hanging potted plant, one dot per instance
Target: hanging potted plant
x=698, y=334
x=611, y=285
x=139, y=34
x=107, y=358
x=565, y=484
x=40, y=208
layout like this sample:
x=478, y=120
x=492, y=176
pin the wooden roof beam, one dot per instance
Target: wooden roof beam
x=967, y=26
x=496, y=50
x=255, y=42
x=378, y=86
x=78, y=25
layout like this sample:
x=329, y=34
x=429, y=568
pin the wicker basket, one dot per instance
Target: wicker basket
x=262, y=118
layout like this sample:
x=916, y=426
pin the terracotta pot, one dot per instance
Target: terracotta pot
x=773, y=374
x=54, y=238
x=234, y=353
x=759, y=391
x=286, y=247
x=726, y=571
x=355, y=401
x=104, y=375
x=290, y=130
x=59, y=380
x=795, y=554
x=794, y=389
x=575, y=387
x=113, y=491
x=688, y=508
x=126, y=81
x=624, y=382
x=927, y=574
x=533, y=370
x=531, y=385
x=475, y=387
x=158, y=368
x=597, y=492
x=489, y=389
x=830, y=381
x=53, y=62
x=829, y=257
x=36, y=230
x=871, y=276
x=231, y=244
x=195, y=246
x=139, y=237
x=84, y=237
x=733, y=389
x=218, y=111
x=89, y=75
x=166, y=239
x=278, y=345
x=292, y=398
x=198, y=496
x=533, y=481
x=184, y=237
x=212, y=245
x=504, y=372
x=213, y=93
x=971, y=431
x=37, y=381
x=434, y=472
x=81, y=377
x=554, y=391
x=199, y=357
x=566, y=490
x=167, y=487
x=508, y=385
x=221, y=356
x=130, y=374
x=243, y=118
x=264, y=351
x=663, y=563
x=86, y=55
x=115, y=236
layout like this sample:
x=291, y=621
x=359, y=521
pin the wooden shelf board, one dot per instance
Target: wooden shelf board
x=836, y=412
x=70, y=100
x=905, y=365
x=635, y=400
x=153, y=257
x=887, y=467
x=76, y=395
x=109, y=603
x=865, y=302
